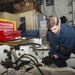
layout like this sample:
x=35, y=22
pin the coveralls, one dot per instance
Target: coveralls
x=22, y=27
x=65, y=38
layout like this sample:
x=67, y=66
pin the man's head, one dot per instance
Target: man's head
x=53, y=24
x=23, y=20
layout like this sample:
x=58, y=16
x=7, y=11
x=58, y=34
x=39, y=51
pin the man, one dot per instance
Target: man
x=22, y=26
x=63, y=19
x=62, y=41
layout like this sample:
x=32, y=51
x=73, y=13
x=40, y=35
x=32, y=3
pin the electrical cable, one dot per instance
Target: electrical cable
x=33, y=44
x=31, y=60
x=24, y=55
x=72, y=57
x=35, y=65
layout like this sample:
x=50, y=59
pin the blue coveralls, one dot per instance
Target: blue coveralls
x=22, y=27
x=66, y=38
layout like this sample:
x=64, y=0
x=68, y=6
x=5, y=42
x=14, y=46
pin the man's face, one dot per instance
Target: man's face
x=55, y=29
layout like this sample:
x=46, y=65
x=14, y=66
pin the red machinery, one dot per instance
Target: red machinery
x=8, y=30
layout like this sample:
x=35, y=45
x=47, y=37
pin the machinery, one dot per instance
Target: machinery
x=25, y=59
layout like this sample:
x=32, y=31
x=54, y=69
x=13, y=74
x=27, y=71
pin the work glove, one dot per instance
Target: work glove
x=47, y=60
x=65, y=51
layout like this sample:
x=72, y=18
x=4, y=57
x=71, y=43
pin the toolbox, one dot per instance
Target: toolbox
x=9, y=35
x=8, y=30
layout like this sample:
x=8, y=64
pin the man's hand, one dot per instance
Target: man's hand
x=55, y=56
x=47, y=60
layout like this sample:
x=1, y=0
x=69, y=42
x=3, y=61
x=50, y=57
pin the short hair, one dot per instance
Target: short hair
x=51, y=21
x=22, y=19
